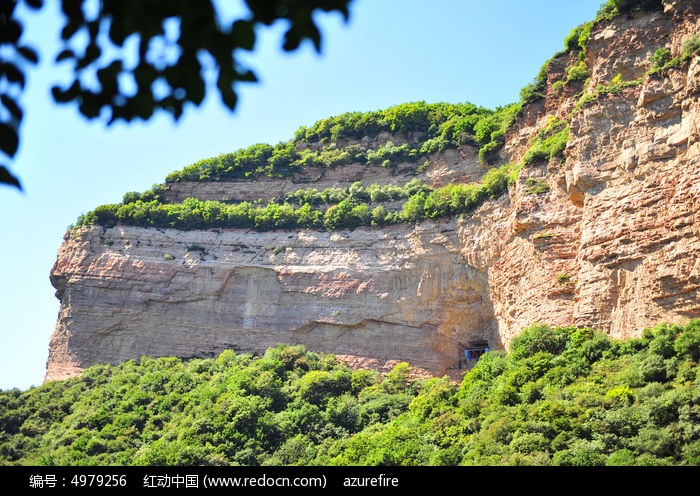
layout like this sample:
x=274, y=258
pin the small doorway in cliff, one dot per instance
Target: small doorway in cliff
x=473, y=351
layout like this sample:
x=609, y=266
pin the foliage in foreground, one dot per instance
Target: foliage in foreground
x=560, y=396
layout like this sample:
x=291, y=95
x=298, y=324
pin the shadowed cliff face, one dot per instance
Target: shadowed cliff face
x=613, y=242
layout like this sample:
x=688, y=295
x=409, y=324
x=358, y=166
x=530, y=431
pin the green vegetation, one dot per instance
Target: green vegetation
x=662, y=60
x=490, y=132
x=691, y=46
x=578, y=37
x=331, y=209
x=549, y=143
x=374, y=193
x=616, y=85
x=559, y=396
x=423, y=129
x=537, y=89
x=536, y=186
x=612, y=8
x=578, y=72
x=406, y=135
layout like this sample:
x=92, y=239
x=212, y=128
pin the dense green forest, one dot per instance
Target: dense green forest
x=560, y=396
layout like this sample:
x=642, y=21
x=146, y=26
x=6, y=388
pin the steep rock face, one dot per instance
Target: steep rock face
x=637, y=165
x=613, y=244
x=377, y=296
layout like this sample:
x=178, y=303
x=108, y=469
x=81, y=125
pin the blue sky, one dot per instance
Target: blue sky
x=390, y=52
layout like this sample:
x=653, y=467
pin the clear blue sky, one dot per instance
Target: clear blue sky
x=390, y=52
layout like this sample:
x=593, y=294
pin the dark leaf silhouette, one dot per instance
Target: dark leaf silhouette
x=7, y=178
x=181, y=80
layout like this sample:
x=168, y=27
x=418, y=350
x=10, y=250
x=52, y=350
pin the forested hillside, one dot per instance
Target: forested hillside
x=560, y=396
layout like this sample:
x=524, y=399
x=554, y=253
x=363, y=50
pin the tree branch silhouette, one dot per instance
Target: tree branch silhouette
x=183, y=51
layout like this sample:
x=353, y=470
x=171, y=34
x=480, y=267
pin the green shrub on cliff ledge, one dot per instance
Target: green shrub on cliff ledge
x=535, y=90
x=578, y=37
x=549, y=143
x=619, y=7
x=344, y=208
x=691, y=46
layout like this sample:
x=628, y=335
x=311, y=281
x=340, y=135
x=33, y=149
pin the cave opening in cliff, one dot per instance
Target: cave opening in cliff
x=473, y=351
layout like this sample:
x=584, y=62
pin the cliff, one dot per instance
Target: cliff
x=605, y=235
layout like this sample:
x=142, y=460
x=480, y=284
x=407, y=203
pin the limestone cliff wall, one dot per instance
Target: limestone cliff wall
x=377, y=296
x=614, y=244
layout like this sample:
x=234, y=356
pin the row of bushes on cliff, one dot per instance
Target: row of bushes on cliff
x=561, y=396
x=427, y=128
x=454, y=121
x=349, y=212
x=436, y=125
x=284, y=159
x=374, y=193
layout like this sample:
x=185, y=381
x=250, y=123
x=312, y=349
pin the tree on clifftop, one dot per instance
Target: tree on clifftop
x=182, y=50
